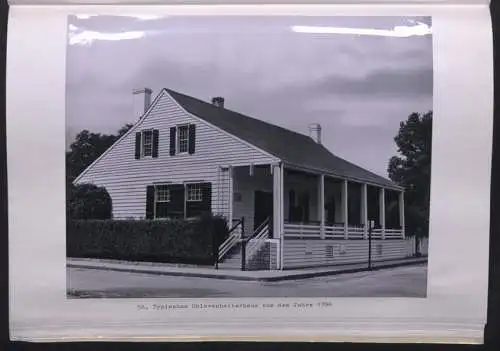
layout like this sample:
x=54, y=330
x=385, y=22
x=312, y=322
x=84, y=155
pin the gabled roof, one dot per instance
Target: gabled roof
x=292, y=148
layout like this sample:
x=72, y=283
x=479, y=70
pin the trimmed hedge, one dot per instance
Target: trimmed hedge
x=88, y=201
x=172, y=241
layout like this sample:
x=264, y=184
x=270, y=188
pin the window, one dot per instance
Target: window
x=162, y=199
x=162, y=193
x=183, y=139
x=147, y=143
x=194, y=192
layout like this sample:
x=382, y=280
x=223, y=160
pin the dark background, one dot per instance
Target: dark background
x=492, y=330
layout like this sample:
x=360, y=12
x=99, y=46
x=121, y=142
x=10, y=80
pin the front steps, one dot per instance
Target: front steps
x=260, y=261
x=232, y=260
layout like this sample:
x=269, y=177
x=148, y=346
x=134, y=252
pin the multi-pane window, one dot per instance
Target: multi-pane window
x=183, y=139
x=162, y=193
x=194, y=192
x=162, y=199
x=147, y=143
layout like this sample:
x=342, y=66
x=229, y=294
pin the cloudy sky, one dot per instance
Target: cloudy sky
x=356, y=76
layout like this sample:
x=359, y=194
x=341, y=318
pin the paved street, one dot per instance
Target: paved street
x=409, y=281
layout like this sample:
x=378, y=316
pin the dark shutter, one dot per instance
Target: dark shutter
x=206, y=190
x=138, y=145
x=156, y=137
x=172, y=141
x=192, y=138
x=176, y=205
x=198, y=208
x=150, y=201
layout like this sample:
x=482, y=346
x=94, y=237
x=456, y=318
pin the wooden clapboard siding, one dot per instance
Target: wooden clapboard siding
x=246, y=185
x=126, y=178
x=305, y=253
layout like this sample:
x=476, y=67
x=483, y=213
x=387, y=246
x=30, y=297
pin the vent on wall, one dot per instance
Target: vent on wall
x=329, y=251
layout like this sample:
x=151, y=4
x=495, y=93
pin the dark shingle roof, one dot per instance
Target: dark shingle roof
x=291, y=147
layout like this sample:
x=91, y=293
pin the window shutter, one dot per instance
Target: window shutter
x=150, y=201
x=192, y=138
x=172, y=141
x=137, y=145
x=156, y=137
x=206, y=190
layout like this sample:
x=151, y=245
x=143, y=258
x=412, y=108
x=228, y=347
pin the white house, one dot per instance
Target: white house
x=300, y=204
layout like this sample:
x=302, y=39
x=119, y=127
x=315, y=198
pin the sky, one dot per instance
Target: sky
x=358, y=77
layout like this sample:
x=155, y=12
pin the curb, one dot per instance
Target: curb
x=244, y=278
x=344, y=271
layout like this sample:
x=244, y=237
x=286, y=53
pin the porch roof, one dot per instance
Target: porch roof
x=291, y=147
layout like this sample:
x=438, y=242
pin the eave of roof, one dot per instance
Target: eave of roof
x=276, y=140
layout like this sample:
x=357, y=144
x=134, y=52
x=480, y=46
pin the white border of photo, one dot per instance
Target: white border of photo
x=455, y=307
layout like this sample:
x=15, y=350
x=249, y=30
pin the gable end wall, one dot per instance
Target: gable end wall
x=126, y=178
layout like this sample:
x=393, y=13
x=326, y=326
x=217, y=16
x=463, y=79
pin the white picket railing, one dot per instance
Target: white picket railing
x=377, y=233
x=254, y=244
x=333, y=231
x=393, y=233
x=232, y=240
x=337, y=231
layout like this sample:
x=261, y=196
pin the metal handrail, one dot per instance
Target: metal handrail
x=259, y=228
x=233, y=238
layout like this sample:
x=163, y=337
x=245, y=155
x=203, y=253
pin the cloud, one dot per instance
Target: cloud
x=387, y=83
x=358, y=87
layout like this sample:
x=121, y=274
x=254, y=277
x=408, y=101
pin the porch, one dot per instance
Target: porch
x=298, y=204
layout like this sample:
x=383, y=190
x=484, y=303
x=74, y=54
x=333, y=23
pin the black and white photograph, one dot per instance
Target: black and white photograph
x=247, y=156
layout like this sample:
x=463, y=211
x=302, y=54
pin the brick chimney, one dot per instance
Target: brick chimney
x=142, y=101
x=315, y=132
x=218, y=101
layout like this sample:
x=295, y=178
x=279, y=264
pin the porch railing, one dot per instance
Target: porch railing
x=256, y=241
x=235, y=235
x=336, y=231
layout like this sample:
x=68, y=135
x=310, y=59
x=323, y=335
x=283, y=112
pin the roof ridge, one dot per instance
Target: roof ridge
x=274, y=139
x=238, y=113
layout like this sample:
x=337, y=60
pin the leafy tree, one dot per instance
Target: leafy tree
x=87, y=201
x=412, y=168
x=86, y=148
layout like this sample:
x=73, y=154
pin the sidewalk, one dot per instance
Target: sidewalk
x=210, y=272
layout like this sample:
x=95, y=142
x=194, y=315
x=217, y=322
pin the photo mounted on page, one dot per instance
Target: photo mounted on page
x=248, y=156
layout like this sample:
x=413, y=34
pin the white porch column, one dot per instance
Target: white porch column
x=364, y=209
x=381, y=201
x=282, y=214
x=402, y=213
x=230, y=173
x=345, y=208
x=278, y=225
x=321, y=204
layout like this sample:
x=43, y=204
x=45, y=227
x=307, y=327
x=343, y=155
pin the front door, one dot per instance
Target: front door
x=263, y=208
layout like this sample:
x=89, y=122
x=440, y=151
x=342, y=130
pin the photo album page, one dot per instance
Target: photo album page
x=248, y=172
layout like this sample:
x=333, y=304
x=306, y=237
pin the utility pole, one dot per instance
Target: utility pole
x=370, y=228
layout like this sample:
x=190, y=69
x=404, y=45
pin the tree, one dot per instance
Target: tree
x=411, y=169
x=87, y=201
x=86, y=148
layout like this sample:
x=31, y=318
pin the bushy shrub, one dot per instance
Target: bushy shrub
x=87, y=201
x=175, y=241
